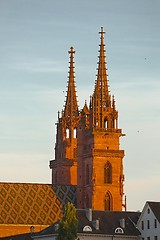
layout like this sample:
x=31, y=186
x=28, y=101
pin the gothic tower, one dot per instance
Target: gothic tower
x=64, y=167
x=99, y=158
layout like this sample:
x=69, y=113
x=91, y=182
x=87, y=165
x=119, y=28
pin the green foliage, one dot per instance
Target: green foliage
x=68, y=224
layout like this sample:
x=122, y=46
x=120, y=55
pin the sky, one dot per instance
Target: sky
x=35, y=37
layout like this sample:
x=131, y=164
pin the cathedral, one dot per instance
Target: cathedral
x=87, y=150
x=88, y=165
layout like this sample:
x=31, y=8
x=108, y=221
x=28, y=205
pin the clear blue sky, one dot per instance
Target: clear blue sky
x=35, y=37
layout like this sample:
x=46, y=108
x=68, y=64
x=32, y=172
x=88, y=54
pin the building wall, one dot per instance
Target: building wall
x=148, y=230
x=105, y=237
x=94, y=150
x=84, y=236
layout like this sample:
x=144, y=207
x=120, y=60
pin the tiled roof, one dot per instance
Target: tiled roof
x=33, y=204
x=108, y=222
x=66, y=193
x=155, y=207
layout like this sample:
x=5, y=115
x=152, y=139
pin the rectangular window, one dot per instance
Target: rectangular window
x=148, y=224
x=155, y=238
x=142, y=226
x=148, y=238
x=155, y=223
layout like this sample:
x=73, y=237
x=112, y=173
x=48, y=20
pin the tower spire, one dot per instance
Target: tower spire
x=71, y=104
x=101, y=95
x=64, y=167
x=99, y=157
x=102, y=81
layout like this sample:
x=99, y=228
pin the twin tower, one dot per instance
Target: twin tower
x=87, y=150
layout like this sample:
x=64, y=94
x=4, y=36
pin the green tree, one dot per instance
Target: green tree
x=68, y=224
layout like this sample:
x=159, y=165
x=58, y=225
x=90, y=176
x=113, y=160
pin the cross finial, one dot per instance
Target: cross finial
x=71, y=50
x=102, y=32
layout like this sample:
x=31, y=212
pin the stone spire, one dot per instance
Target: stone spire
x=71, y=104
x=101, y=86
x=99, y=157
x=101, y=97
x=64, y=167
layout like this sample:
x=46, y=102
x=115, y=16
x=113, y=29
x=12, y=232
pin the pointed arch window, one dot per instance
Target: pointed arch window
x=87, y=174
x=105, y=123
x=108, y=202
x=67, y=132
x=75, y=133
x=115, y=123
x=108, y=173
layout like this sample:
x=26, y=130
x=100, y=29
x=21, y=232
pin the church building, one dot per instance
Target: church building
x=87, y=150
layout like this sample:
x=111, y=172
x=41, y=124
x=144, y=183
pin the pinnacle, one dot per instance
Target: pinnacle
x=71, y=105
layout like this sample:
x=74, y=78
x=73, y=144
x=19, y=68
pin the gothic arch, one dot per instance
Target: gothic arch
x=67, y=132
x=108, y=201
x=108, y=173
x=75, y=133
x=105, y=123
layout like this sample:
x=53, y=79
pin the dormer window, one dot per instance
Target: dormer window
x=119, y=230
x=87, y=229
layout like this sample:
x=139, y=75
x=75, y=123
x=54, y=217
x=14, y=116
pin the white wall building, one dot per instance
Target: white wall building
x=149, y=221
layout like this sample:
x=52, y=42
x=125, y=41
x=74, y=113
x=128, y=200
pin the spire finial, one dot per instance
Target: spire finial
x=101, y=96
x=102, y=32
x=71, y=51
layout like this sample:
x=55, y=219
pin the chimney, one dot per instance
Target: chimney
x=89, y=214
x=31, y=229
x=96, y=224
x=122, y=222
x=56, y=226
